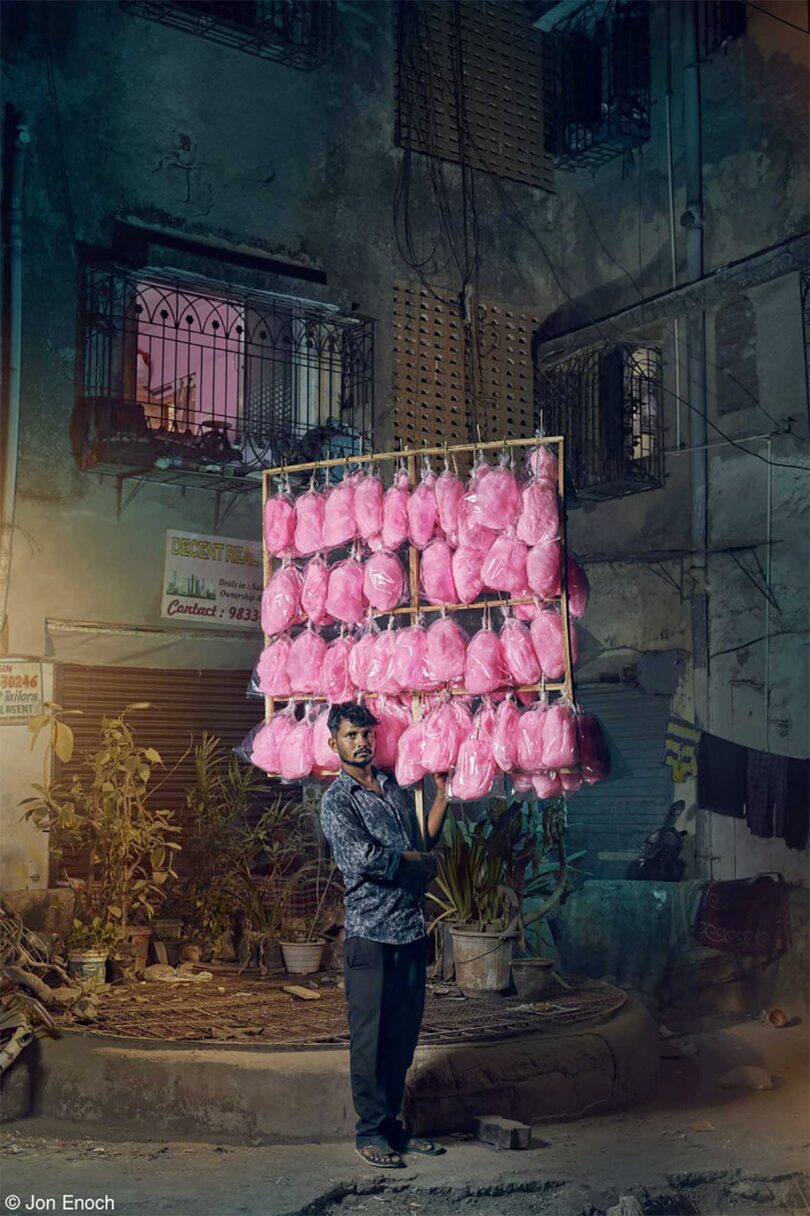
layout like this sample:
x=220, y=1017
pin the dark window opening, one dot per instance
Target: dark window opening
x=607, y=403
x=719, y=21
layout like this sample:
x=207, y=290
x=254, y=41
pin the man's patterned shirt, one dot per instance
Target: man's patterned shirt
x=367, y=833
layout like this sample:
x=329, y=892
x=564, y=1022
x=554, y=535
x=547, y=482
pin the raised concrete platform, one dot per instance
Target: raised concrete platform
x=280, y=1096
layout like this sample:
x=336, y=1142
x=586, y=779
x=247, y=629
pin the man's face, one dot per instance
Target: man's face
x=354, y=744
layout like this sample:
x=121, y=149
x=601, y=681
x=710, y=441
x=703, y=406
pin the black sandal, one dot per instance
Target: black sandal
x=386, y=1161
x=425, y=1148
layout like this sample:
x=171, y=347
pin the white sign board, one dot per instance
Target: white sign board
x=213, y=578
x=20, y=690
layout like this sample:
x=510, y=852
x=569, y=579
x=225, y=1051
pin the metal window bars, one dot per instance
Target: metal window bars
x=297, y=33
x=719, y=21
x=192, y=375
x=608, y=401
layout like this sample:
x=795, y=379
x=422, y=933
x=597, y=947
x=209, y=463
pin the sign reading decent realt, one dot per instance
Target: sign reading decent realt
x=20, y=691
x=212, y=577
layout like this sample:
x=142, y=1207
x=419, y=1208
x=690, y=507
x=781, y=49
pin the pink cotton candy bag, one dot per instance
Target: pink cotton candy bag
x=522, y=783
x=445, y=652
x=395, y=512
x=409, y=767
x=271, y=669
x=392, y=720
x=436, y=571
x=323, y=757
x=496, y=499
x=471, y=533
x=578, y=587
x=410, y=660
x=281, y=600
x=519, y=653
x=440, y=741
x=467, y=574
x=360, y=659
x=547, y=785
x=339, y=523
x=368, y=505
x=335, y=680
x=544, y=568
x=504, y=736
x=309, y=515
x=504, y=567
x=542, y=464
x=383, y=581
x=267, y=744
x=314, y=590
x=530, y=739
x=547, y=639
x=296, y=752
x=475, y=768
x=344, y=596
x=279, y=523
x=305, y=661
x=560, y=747
x=422, y=512
x=382, y=674
x=594, y=754
x=539, y=518
x=449, y=493
x=485, y=668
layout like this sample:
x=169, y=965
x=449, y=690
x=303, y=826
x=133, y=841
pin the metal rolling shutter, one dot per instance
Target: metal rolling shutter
x=183, y=703
x=611, y=820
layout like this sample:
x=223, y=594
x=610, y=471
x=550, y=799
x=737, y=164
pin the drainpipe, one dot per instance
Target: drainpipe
x=11, y=405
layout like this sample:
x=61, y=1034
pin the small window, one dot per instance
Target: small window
x=607, y=403
x=190, y=373
x=719, y=21
x=735, y=338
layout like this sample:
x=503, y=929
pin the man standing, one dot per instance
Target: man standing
x=372, y=828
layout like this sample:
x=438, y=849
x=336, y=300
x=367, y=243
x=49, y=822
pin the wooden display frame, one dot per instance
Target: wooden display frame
x=411, y=459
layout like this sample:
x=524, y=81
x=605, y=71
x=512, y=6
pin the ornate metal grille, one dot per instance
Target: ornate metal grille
x=193, y=374
x=718, y=22
x=607, y=402
x=298, y=33
x=804, y=287
x=600, y=59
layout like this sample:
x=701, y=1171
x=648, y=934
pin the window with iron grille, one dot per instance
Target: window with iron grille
x=188, y=373
x=607, y=402
x=718, y=22
x=298, y=33
x=600, y=67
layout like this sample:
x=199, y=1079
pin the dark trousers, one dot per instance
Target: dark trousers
x=385, y=994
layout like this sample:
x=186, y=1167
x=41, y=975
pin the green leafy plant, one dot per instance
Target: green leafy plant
x=105, y=811
x=93, y=935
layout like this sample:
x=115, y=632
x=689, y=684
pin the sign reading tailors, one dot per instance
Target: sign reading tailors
x=213, y=578
x=20, y=691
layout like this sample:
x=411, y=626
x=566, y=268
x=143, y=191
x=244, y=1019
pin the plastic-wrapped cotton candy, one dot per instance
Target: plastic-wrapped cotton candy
x=305, y=661
x=594, y=754
x=281, y=600
x=530, y=739
x=504, y=736
x=571, y=782
x=383, y=580
x=542, y=463
x=495, y=499
x=335, y=680
x=267, y=743
x=271, y=669
x=547, y=639
x=539, y=518
x=547, y=785
x=526, y=612
x=409, y=767
x=440, y=741
x=339, y=523
x=578, y=587
x=360, y=658
x=436, y=569
x=382, y=676
x=471, y=533
x=523, y=664
x=484, y=720
x=279, y=523
x=368, y=505
x=467, y=574
x=395, y=512
x=544, y=568
x=323, y=755
x=449, y=493
x=445, y=652
x=314, y=590
x=560, y=747
x=522, y=783
x=475, y=768
x=410, y=660
x=296, y=752
x=463, y=717
x=422, y=512
x=344, y=597
x=392, y=720
x=504, y=566
x=309, y=514
x=485, y=668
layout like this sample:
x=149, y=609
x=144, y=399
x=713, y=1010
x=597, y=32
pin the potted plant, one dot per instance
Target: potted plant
x=89, y=945
x=487, y=874
x=303, y=937
x=105, y=810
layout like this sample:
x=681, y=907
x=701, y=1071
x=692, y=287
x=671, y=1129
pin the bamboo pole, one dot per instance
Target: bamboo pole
x=416, y=701
x=456, y=691
x=566, y=621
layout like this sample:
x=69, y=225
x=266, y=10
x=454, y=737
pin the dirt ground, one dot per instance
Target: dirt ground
x=696, y=1148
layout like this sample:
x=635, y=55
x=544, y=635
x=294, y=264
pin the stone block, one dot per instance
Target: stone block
x=48, y=911
x=502, y=1133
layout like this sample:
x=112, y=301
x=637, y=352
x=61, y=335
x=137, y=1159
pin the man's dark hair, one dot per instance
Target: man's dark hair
x=349, y=711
